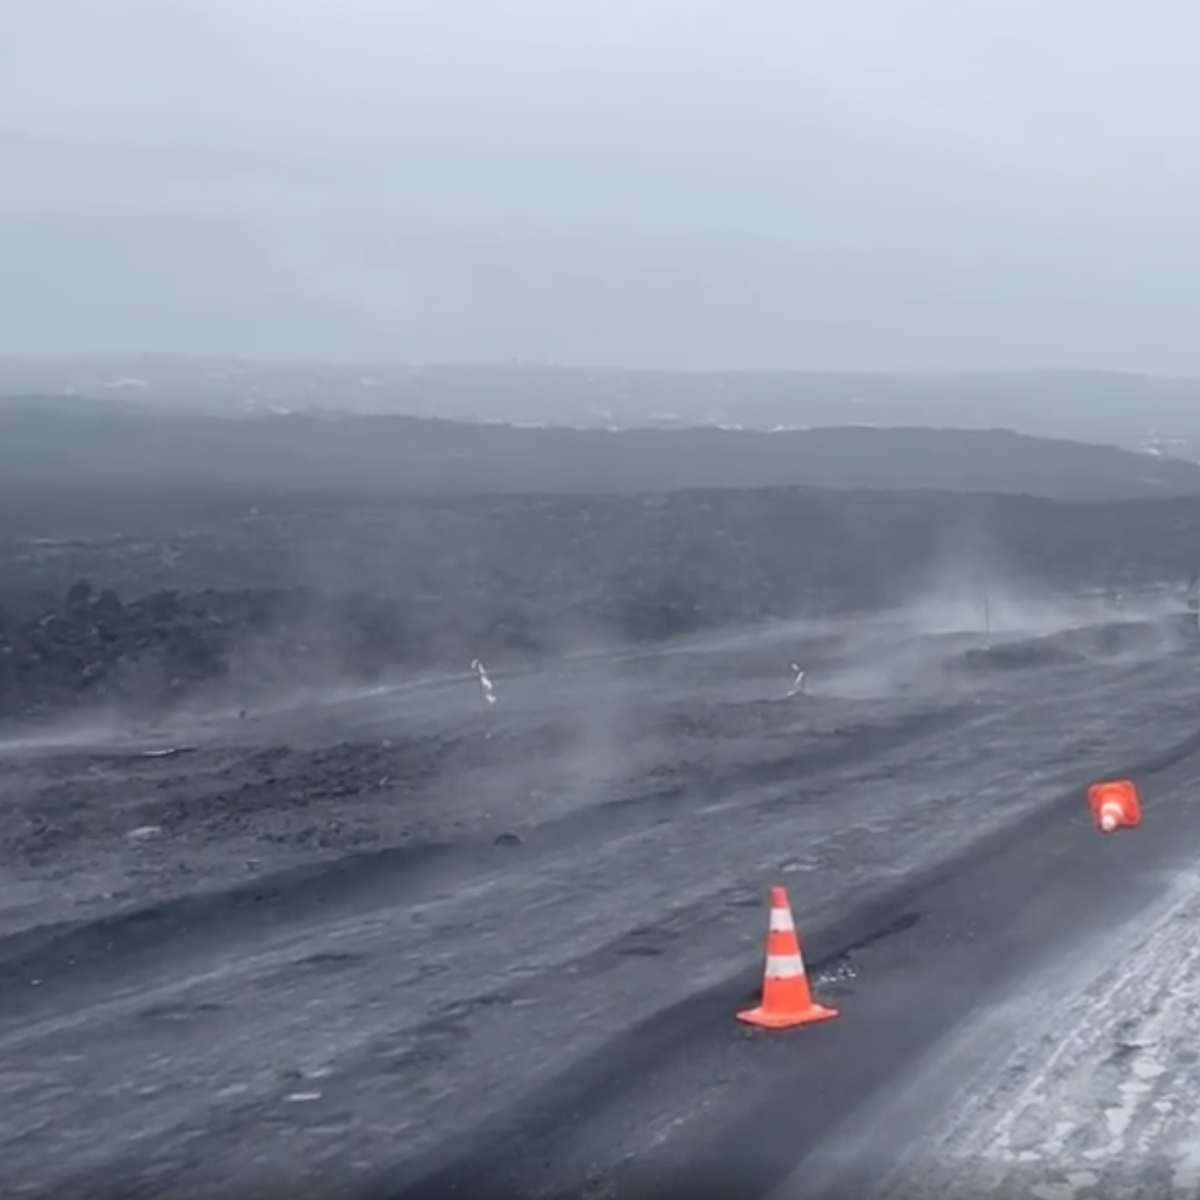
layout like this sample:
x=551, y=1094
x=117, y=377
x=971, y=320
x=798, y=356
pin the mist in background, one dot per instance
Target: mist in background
x=849, y=185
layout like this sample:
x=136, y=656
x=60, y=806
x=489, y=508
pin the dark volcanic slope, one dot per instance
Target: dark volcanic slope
x=48, y=446
x=262, y=591
x=1103, y=406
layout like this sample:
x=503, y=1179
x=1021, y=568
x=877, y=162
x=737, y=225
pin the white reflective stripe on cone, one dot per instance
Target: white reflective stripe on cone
x=781, y=921
x=785, y=966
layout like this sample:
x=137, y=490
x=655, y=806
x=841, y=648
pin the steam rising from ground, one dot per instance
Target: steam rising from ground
x=976, y=618
x=599, y=698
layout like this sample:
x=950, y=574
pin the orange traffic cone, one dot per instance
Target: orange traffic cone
x=786, y=999
x=1114, y=803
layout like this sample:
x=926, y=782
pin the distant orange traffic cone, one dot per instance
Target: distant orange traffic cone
x=1115, y=804
x=786, y=998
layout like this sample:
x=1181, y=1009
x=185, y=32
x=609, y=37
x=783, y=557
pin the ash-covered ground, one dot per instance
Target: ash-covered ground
x=287, y=904
x=106, y=809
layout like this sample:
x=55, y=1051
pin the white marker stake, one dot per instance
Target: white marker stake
x=797, y=683
x=489, y=692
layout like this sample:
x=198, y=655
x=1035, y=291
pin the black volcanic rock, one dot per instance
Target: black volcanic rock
x=313, y=588
x=382, y=456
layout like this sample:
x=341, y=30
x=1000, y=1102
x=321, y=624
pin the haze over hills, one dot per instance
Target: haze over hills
x=509, y=489
x=1130, y=410
x=55, y=445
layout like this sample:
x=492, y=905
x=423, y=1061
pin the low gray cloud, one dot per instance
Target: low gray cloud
x=855, y=183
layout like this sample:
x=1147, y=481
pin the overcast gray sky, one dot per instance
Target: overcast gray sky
x=701, y=183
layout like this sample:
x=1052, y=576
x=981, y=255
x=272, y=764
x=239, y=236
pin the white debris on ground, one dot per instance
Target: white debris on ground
x=485, y=682
x=1099, y=1100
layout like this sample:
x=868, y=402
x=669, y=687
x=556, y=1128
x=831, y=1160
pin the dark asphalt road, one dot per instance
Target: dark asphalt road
x=558, y=1016
x=915, y=964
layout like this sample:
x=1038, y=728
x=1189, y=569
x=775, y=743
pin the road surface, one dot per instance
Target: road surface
x=551, y=1010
